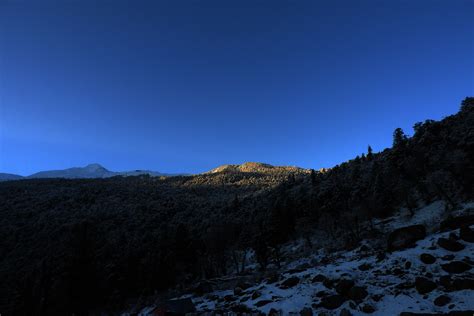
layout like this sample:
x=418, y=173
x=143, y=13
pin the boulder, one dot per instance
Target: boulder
x=377, y=297
x=424, y=285
x=322, y=293
x=343, y=286
x=357, y=293
x=426, y=258
x=244, y=285
x=368, y=309
x=445, y=281
x=456, y=267
x=306, y=312
x=263, y=303
x=238, y=291
x=462, y=284
x=256, y=294
x=457, y=222
x=290, y=282
x=272, y=277
x=328, y=283
x=318, y=278
x=405, y=237
x=203, y=287
x=332, y=301
x=450, y=244
x=466, y=234
x=442, y=300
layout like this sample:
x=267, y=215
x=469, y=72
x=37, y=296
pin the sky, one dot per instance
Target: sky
x=185, y=86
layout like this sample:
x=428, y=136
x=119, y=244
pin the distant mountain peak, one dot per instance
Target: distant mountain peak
x=93, y=170
x=95, y=166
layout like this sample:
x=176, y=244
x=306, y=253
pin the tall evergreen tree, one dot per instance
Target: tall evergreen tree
x=399, y=138
x=370, y=155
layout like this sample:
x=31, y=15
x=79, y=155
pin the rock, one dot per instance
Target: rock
x=368, y=309
x=407, y=265
x=466, y=234
x=345, y=312
x=450, y=244
x=343, y=286
x=377, y=297
x=290, y=282
x=457, y=222
x=357, y=293
x=442, y=300
x=238, y=291
x=445, y=281
x=462, y=284
x=426, y=258
x=306, y=312
x=365, y=267
x=405, y=237
x=328, y=283
x=256, y=294
x=318, y=278
x=274, y=312
x=203, y=287
x=272, y=277
x=244, y=299
x=244, y=285
x=322, y=293
x=424, y=285
x=332, y=301
x=262, y=303
x=364, y=248
x=456, y=267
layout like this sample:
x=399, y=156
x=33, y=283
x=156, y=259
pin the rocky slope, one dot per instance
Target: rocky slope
x=258, y=167
x=423, y=274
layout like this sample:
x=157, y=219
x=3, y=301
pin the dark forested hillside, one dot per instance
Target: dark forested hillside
x=75, y=246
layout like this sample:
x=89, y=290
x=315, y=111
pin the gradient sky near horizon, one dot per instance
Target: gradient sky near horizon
x=185, y=86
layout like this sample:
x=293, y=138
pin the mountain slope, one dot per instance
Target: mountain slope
x=91, y=171
x=82, y=245
x=9, y=176
x=257, y=167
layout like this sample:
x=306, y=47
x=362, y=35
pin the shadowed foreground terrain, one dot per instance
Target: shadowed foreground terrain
x=86, y=245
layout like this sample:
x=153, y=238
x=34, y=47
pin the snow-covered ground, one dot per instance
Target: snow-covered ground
x=385, y=281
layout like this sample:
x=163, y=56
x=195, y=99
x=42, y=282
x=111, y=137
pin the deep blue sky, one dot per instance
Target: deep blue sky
x=184, y=86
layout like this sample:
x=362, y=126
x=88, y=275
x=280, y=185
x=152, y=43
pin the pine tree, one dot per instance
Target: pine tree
x=399, y=138
x=370, y=155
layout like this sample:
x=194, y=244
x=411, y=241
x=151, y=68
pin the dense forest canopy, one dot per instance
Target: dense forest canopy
x=73, y=246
